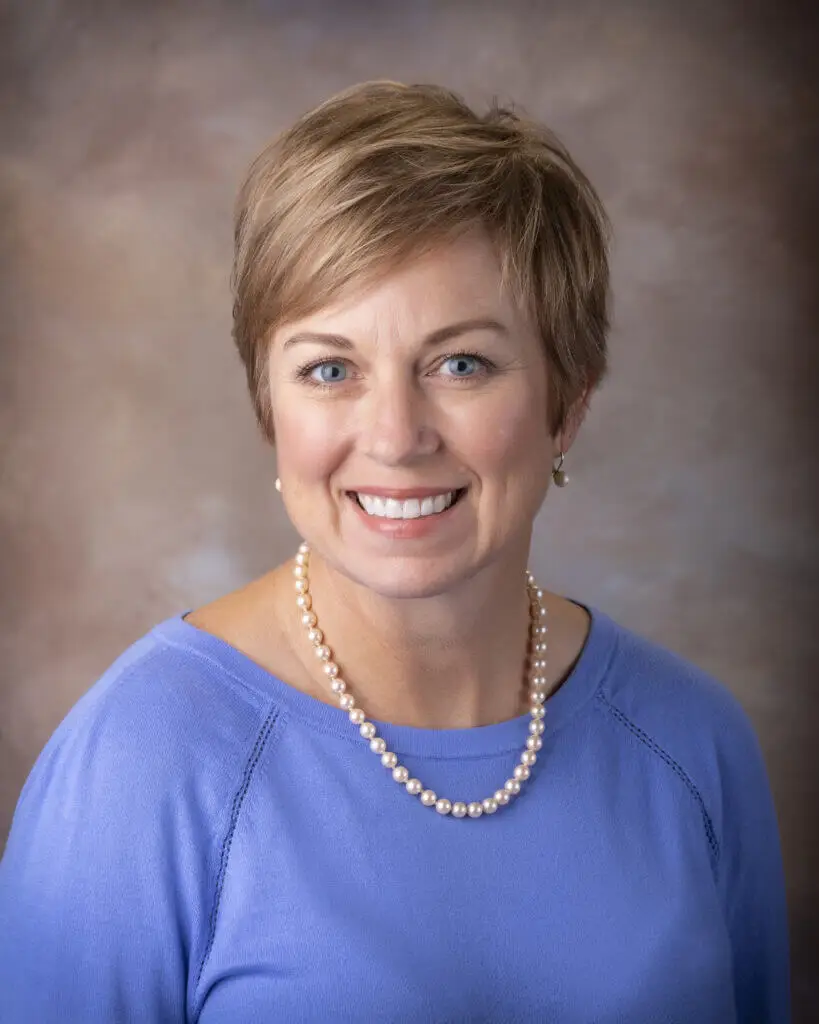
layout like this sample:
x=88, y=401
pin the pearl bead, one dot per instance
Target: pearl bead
x=538, y=628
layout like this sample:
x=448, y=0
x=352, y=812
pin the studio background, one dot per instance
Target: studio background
x=133, y=483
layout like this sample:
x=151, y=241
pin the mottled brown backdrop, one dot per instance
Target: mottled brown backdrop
x=132, y=481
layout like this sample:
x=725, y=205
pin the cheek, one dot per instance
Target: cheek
x=308, y=445
x=510, y=434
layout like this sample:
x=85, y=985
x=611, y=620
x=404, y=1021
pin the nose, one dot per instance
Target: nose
x=397, y=424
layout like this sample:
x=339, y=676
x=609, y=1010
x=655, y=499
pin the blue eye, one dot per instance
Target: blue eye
x=328, y=372
x=462, y=366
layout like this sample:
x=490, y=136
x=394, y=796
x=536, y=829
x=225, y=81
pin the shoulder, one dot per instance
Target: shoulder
x=165, y=720
x=124, y=818
x=668, y=695
x=678, y=716
x=698, y=735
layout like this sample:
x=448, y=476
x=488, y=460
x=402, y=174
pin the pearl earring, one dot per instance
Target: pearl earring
x=560, y=477
x=278, y=485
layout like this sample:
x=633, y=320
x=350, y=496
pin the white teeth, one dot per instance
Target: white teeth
x=413, y=508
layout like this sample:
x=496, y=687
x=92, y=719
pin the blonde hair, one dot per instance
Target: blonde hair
x=382, y=172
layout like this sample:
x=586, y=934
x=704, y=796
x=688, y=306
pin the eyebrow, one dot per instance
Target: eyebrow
x=435, y=338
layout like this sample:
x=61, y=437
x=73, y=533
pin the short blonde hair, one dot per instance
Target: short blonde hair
x=383, y=172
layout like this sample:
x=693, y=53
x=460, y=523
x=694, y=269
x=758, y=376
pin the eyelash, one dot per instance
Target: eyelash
x=303, y=372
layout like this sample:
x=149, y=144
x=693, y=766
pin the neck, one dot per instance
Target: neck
x=452, y=661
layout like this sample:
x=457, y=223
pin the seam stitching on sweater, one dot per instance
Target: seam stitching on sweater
x=227, y=842
x=675, y=767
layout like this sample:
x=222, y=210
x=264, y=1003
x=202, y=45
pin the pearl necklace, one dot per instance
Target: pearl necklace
x=537, y=696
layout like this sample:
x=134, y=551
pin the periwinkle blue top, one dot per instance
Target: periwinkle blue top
x=199, y=841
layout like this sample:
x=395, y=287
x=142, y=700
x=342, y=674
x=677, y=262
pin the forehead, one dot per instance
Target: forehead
x=452, y=281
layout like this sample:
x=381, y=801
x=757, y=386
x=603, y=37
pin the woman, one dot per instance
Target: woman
x=394, y=779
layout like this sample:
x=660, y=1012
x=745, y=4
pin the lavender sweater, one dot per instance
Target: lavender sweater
x=199, y=841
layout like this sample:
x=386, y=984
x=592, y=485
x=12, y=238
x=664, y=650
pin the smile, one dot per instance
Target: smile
x=412, y=508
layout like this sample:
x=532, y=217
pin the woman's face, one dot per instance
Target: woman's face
x=411, y=425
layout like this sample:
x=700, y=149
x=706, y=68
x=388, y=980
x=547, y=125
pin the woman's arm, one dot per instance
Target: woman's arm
x=752, y=883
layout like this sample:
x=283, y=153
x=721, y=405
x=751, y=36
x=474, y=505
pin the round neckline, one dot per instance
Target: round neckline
x=477, y=741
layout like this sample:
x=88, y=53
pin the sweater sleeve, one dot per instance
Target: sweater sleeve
x=106, y=865
x=752, y=882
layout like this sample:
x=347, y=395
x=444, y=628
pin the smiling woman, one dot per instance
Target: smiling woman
x=428, y=383
x=395, y=779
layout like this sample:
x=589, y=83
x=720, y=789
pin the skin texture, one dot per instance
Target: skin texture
x=429, y=630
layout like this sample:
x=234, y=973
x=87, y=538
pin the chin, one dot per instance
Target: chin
x=408, y=578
